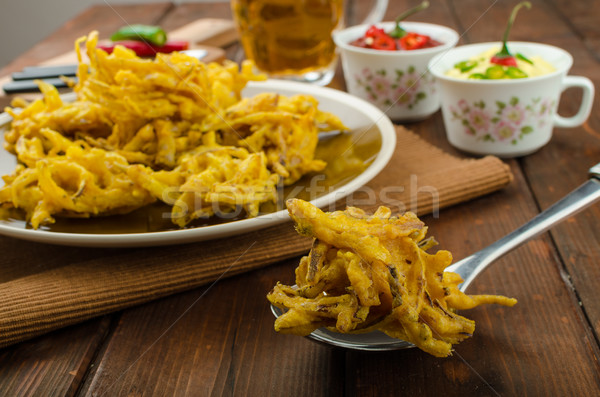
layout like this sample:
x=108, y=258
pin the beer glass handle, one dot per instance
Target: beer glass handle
x=377, y=13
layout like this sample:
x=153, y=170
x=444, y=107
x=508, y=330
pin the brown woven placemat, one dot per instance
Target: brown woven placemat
x=45, y=287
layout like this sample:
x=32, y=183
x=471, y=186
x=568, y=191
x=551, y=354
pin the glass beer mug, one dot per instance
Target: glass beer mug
x=291, y=39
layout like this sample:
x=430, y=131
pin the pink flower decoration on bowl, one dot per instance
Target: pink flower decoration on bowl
x=410, y=81
x=505, y=131
x=480, y=119
x=509, y=122
x=513, y=114
x=381, y=85
x=398, y=89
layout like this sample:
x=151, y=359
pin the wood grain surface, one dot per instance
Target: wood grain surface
x=218, y=340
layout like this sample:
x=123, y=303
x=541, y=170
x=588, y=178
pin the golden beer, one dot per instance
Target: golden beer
x=290, y=38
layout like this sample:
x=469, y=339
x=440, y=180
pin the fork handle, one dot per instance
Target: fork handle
x=576, y=201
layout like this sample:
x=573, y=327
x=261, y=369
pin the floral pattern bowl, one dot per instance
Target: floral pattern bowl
x=508, y=117
x=397, y=82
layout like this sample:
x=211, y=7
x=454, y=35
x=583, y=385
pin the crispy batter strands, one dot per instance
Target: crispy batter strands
x=210, y=180
x=286, y=129
x=368, y=273
x=172, y=129
x=79, y=182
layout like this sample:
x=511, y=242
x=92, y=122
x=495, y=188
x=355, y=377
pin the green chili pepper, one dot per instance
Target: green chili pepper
x=398, y=32
x=495, y=72
x=515, y=73
x=478, y=76
x=465, y=66
x=150, y=34
x=523, y=58
x=504, y=57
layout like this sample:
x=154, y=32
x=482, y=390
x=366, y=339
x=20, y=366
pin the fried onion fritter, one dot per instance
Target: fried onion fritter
x=371, y=272
x=172, y=129
x=285, y=129
x=79, y=183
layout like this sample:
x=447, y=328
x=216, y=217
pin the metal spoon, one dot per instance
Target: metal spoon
x=470, y=267
x=576, y=201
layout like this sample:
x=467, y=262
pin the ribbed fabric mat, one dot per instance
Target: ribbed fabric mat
x=45, y=287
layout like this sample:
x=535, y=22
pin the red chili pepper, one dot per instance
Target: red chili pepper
x=398, y=32
x=504, y=57
x=384, y=42
x=143, y=49
x=398, y=38
x=504, y=61
x=413, y=41
x=374, y=31
x=376, y=39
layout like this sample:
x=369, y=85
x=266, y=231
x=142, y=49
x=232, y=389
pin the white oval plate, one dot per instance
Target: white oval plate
x=354, y=112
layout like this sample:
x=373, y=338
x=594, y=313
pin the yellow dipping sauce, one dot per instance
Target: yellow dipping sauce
x=482, y=64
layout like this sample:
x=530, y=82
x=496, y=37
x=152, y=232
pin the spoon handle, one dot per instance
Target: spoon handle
x=579, y=199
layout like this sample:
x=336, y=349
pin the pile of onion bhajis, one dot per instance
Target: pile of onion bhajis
x=171, y=128
x=367, y=273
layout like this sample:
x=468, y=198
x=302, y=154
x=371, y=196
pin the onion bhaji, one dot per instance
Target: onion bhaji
x=172, y=129
x=367, y=273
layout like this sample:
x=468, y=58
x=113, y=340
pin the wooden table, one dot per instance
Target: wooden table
x=219, y=339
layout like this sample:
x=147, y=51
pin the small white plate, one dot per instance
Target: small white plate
x=357, y=114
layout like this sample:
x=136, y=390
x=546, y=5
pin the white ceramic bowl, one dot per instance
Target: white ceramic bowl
x=397, y=82
x=507, y=117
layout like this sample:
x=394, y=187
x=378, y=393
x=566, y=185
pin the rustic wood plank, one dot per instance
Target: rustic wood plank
x=559, y=168
x=178, y=346
x=52, y=365
x=578, y=238
x=582, y=17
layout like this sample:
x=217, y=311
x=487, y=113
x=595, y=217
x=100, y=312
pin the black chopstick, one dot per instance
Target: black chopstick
x=30, y=86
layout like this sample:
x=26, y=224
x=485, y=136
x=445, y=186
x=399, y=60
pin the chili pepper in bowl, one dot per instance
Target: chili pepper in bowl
x=414, y=41
x=376, y=39
x=398, y=30
x=495, y=65
x=504, y=57
x=398, y=38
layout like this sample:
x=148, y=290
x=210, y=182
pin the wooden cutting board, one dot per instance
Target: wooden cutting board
x=207, y=33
